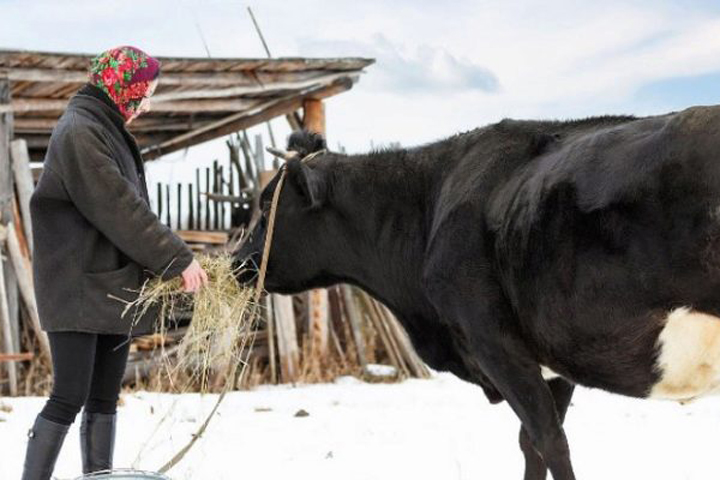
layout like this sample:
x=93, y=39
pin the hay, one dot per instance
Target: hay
x=220, y=332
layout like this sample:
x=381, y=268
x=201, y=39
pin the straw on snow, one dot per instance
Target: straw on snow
x=221, y=327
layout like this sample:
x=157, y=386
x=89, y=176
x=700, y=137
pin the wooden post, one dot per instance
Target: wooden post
x=198, y=201
x=191, y=207
x=25, y=280
x=179, y=204
x=6, y=326
x=216, y=207
x=287, y=337
x=207, y=199
x=159, y=201
x=9, y=311
x=354, y=318
x=167, y=202
x=314, y=121
x=314, y=117
x=25, y=186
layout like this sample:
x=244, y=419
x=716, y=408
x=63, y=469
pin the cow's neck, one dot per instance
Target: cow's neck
x=393, y=208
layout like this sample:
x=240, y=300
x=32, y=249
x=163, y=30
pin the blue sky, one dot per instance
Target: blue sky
x=442, y=67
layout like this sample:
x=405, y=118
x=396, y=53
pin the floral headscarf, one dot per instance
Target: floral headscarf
x=124, y=74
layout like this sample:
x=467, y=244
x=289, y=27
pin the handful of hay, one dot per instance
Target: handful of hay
x=221, y=331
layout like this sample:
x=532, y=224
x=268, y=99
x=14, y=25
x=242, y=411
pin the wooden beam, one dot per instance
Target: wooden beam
x=236, y=78
x=314, y=115
x=314, y=121
x=8, y=283
x=25, y=186
x=23, y=267
x=7, y=330
x=253, y=89
x=288, y=350
x=239, y=121
x=26, y=105
x=198, y=236
x=16, y=357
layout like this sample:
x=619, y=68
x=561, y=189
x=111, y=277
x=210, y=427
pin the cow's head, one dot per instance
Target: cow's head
x=308, y=235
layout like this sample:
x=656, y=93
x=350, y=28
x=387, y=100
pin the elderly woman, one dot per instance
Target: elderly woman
x=95, y=239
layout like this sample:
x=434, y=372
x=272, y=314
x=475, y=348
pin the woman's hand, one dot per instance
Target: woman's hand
x=194, y=277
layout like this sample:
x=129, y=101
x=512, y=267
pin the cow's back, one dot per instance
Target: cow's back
x=598, y=238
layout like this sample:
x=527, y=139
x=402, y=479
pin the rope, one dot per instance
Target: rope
x=258, y=292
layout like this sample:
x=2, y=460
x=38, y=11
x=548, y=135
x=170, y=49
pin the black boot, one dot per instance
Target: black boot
x=45, y=439
x=97, y=441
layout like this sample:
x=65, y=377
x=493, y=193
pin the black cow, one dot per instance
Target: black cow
x=526, y=256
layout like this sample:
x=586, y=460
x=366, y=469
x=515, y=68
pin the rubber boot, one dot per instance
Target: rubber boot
x=97, y=441
x=45, y=439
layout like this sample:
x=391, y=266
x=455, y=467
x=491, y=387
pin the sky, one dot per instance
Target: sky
x=441, y=67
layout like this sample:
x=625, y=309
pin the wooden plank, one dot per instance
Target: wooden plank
x=9, y=312
x=24, y=183
x=355, y=320
x=16, y=357
x=23, y=267
x=214, y=79
x=7, y=331
x=197, y=236
x=288, y=350
x=27, y=105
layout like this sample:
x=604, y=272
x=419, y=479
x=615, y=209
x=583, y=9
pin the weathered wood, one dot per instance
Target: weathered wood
x=199, y=236
x=198, y=201
x=16, y=357
x=23, y=267
x=270, y=316
x=211, y=79
x=179, y=206
x=9, y=312
x=167, y=202
x=312, y=82
x=207, y=200
x=314, y=116
x=24, y=182
x=7, y=329
x=314, y=121
x=287, y=337
x=253, y=116
x=216, y=188
x=353, y=315
x=159, y=201
x=318, y=320
x=27, y=105
x=191, y=207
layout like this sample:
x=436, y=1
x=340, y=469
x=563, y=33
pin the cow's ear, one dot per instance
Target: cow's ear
x=310, y=182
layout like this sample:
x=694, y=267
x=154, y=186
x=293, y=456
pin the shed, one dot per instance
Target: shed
x=197, y=99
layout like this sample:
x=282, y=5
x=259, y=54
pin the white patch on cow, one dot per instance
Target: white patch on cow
x=689, y=359
x=547, y=373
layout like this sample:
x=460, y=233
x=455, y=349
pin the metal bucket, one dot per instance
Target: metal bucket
x=124, y=474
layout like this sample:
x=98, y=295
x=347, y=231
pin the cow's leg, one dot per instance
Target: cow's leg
x=490, y=344
x=535, y=468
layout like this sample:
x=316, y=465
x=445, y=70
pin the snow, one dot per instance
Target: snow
x=420, y=429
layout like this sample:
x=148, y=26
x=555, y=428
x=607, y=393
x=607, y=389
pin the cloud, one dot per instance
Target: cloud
x=424, y=69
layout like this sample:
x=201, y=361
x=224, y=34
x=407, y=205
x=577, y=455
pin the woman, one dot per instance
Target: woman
x=95, y=237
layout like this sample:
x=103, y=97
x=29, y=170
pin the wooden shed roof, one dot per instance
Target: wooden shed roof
x=197, y=99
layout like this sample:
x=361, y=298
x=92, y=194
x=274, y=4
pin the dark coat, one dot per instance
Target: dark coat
x=94, y=232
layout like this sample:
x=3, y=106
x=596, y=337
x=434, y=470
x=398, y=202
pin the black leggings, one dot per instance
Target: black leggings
x=88, y=370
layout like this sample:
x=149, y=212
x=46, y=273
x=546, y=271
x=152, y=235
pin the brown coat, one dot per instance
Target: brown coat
x=93, y=230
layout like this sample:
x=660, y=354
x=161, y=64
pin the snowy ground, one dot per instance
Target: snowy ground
x=420, y=429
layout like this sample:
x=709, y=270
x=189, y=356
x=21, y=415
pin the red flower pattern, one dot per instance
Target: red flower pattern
x=127, y=82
